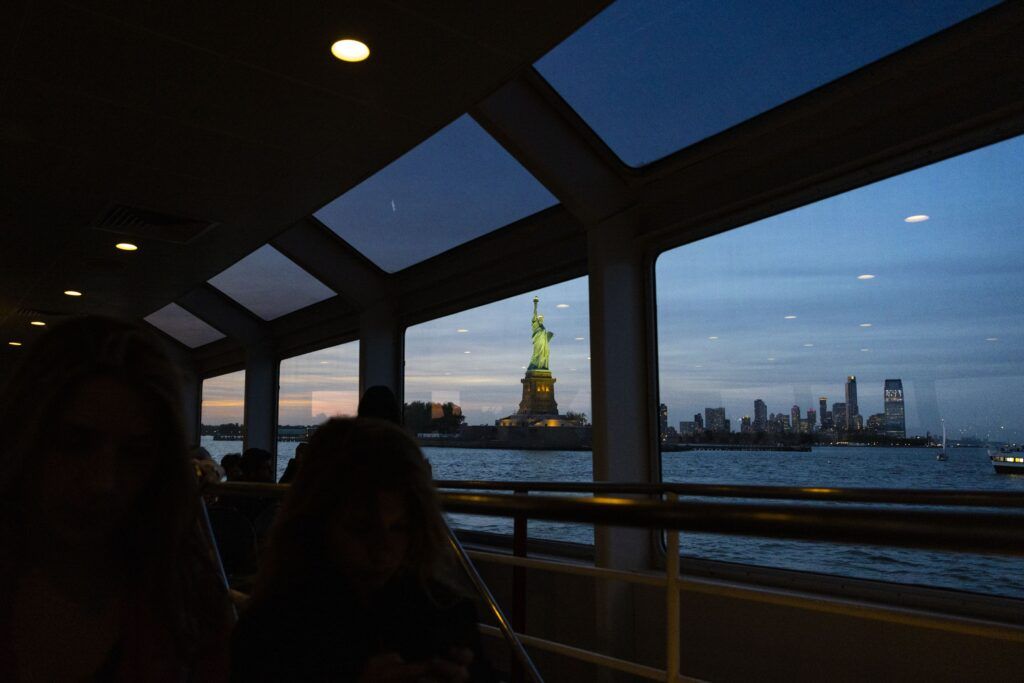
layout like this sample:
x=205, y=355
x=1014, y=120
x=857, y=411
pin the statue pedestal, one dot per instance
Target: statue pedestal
x=538, y=394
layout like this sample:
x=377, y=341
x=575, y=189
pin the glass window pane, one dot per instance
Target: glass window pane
x=175, y=321
x=456, y=186
x=313, y=387
x=222, y=421
x=831, y=345
x=654, y=76
x=481, y=412
x=270, y=284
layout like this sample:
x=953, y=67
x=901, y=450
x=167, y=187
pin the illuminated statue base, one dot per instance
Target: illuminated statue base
x=538, y=394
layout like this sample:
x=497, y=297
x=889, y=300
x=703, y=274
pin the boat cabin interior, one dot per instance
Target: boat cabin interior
x=283, y=201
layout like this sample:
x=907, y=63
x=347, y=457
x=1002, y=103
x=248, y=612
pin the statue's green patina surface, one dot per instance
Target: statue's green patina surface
x=541, y=342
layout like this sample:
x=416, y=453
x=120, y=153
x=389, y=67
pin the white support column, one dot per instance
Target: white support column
x=620, y=374
x=261, y=381
x=381, y=349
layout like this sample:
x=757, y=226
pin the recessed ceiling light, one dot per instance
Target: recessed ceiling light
x=865, y=324
x=38, y=323
x=126, y=246
x=72, y=292
x=790, y=317
x=562, y=306
x=14, y=343
x=462, y=329
x=866, y=276
x=349, y=50
x=916, y=218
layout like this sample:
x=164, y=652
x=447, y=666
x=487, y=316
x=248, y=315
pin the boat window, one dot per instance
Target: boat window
x=490, y=395
x=222, y=423
x=314, y=387
x=654, y=76
x=456, y=186
x=175, y=321
x=270, y=284
x=833, y=345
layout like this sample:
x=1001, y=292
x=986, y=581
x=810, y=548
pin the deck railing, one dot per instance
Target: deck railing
x=840, y=516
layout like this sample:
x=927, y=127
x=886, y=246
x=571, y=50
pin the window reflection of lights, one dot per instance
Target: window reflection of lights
x=467, y=352
x=865, y=349
x=712, y=338
x=562, y=306
x=789, y=317
x=991, y=338
x=462, y=329
x=916, y=218
x=578, y=338
x=349, y=50
x=72, y=292
x=866, y=276
x=808, y=345
x=865, y=324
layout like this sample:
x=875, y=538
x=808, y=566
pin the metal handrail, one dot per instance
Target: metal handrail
x=1008, y=499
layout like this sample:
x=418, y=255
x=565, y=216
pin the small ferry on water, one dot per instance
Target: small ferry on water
x=1008, y=459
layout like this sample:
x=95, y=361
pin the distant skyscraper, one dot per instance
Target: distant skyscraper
x=851, y=403
x=663, y=421
x=812, y=417
x=687, y=428
x=823, y=412
x=760, y=416
x=839, y=416
x=895, y=420
x=794, y=415
x=745, y=424
x=714, y=419
x=698, y=420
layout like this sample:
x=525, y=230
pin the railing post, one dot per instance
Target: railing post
x=671, y=599
x=519, y=539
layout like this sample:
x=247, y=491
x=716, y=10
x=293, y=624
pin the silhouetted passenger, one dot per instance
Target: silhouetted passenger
x=350, y=588
x=103, y=574
x=206, y=468
x=257, y=466
x=232, y=466
x=292, y=468
x=380, y=402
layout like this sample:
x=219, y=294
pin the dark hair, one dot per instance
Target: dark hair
x=231, y=460
x=253, y=458
x=380, y=402
x=350, y=461
x=163, y=553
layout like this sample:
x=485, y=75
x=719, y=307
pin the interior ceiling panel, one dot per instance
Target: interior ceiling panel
x=230, y=113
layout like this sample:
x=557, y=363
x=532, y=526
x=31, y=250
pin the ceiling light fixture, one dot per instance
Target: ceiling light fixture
x=349, y=50
x=38, y=323
x=126, y=246
x=72, y=292
x=14, y=343
x=916, y=218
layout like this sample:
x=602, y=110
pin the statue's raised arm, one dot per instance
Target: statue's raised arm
x=541, y=339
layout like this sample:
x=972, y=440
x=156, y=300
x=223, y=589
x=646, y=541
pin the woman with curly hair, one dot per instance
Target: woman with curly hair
x=100, y=556
x=351, y=588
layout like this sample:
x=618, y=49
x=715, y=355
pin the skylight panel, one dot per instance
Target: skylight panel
x=654, y=76
x=270, y=284
x=456, y=186
x=176, y=322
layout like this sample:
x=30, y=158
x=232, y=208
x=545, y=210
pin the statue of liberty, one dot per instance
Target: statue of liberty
x=541, y=339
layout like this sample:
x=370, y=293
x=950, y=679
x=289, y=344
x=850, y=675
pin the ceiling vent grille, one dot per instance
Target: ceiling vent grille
x=151, y=225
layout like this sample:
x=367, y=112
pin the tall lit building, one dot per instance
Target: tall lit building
x=760, y=416
x=851, y=403
x=663, y=422
x=714, y=419
x=823, y=412
x=895, y=414
x=839, y=416
x=812, y=418
x=794, y=414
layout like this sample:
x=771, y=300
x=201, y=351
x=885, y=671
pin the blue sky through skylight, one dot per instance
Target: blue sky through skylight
x=456, y=186
x=654, y=76
x=270, y=284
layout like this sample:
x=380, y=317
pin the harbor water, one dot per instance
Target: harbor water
x=910, y=468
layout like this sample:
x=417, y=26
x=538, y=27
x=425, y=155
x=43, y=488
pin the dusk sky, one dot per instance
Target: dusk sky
x=651, y=76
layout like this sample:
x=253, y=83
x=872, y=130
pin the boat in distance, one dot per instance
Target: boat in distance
x=1008, y=459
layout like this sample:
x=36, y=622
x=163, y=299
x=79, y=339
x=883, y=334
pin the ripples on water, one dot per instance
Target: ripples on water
x=911, y=468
